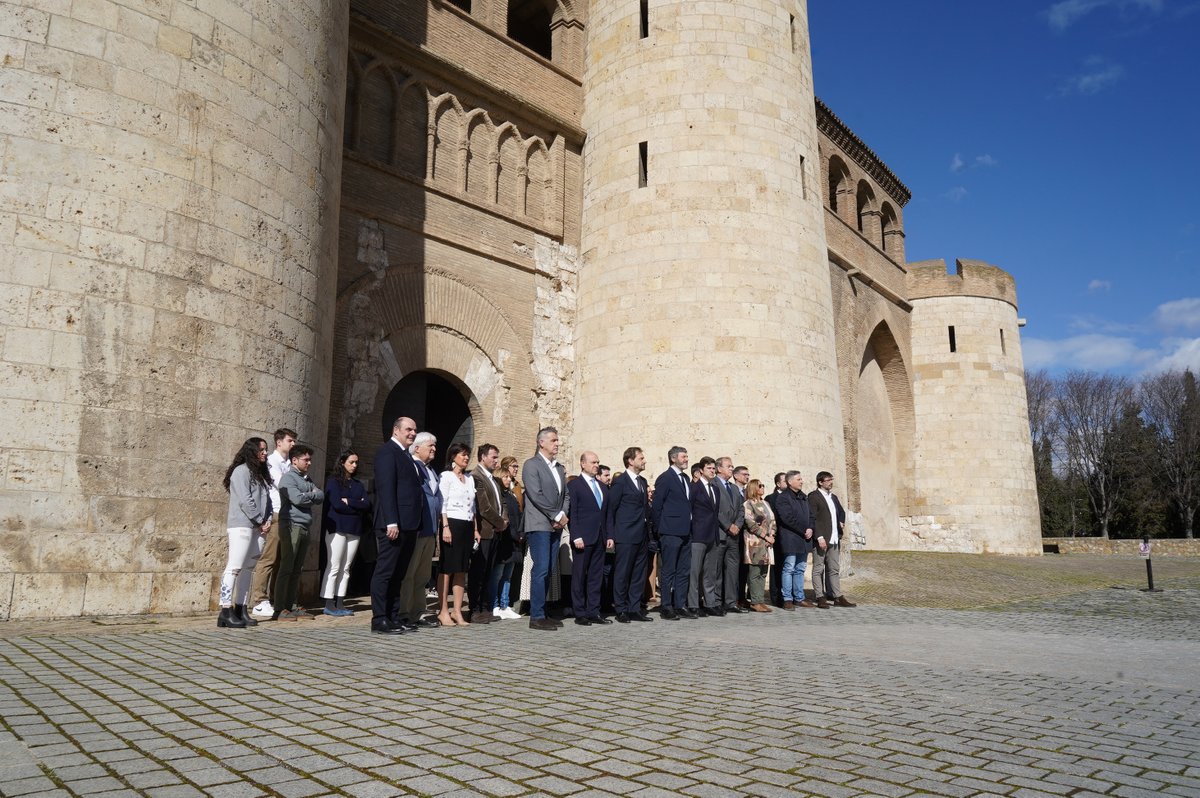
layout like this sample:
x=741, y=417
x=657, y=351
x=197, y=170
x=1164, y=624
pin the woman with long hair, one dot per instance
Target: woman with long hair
x=346, y=505
x=458, y=534
x=247, y=522
x=760, y=543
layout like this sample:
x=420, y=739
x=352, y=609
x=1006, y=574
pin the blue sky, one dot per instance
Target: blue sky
x=1059, y=140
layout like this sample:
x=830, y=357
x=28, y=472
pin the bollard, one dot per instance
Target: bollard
x=1144, y=550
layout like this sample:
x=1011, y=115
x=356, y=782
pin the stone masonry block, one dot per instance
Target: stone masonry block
x=181, y=592
x=47, y=595
x=117, y=594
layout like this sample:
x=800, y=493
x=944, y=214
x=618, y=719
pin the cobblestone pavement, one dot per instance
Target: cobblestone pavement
x=1092, y=693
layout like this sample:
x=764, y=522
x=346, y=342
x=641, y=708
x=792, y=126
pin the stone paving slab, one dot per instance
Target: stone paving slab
x=1067, y=694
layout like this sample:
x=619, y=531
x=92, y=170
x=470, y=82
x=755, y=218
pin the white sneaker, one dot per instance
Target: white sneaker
x=263, y=610
x=510, y=614
x=498, y=614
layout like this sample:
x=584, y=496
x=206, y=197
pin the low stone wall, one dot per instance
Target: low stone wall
x=1162, y=547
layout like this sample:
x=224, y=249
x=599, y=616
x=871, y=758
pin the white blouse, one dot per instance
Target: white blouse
x=458, y=498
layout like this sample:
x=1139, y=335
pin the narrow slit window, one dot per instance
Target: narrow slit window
x=953, y=342
x=803, y=180
x=1003, y=347
x=643, y=166
x=643, y=19
x=792, y=30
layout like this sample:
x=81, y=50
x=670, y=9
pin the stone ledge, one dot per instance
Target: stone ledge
x=1165, y=547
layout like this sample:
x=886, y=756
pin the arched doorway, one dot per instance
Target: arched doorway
x=437, y=404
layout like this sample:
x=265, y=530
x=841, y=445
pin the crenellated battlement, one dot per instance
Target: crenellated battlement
x=971, y=278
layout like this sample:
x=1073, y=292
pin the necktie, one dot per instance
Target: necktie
x=596, y=490
x=683, y=479
x=729, y=490
x=712, y=494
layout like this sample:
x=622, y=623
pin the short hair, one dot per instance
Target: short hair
x=604, y=468
x=543, y=432
x=823, y=475
x=508, y=462
x=299, y=450
x=455, y=450
x=483, y=450
x=630, y=455
x=284, y=432
x=781, y=475
x=789, y=475
x=754, y=489
x=674, y=451
x=421, y=439
x=721, y=460
x=740, y=469
x=706, y=461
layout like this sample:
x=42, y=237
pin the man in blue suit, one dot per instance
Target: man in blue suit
x=705, y=533
x=628, y=511
x=589, y=539
x=401, y=510
x=671, y=512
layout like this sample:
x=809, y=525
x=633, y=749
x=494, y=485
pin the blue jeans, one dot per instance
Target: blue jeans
x=791, y=577
x=501, y=574
x=542, y=546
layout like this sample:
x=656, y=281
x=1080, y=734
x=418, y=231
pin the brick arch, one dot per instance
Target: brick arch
x=481, y=154
x=378, y=99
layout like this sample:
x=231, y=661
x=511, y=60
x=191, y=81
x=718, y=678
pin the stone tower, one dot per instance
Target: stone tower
x=705, y=312
x=169, y=178
x=973, y=465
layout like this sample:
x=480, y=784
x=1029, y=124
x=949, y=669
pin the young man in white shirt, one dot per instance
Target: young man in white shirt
x=278, y=463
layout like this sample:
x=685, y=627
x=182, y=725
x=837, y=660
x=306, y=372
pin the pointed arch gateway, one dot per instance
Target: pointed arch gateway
x=884, y=421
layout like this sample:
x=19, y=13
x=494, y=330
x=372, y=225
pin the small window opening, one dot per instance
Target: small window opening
x=792, y=30
x=643, y=165
x=803, y=179
x=1003, y=348
x=953, y=343
x=644, y=20
x=465, y=5
x=529, y=24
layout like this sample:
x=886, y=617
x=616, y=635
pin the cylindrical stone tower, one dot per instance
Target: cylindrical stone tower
x=973, y=473
x=169, y=177
x=705, y=315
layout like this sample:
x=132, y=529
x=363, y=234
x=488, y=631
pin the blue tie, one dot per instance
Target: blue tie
x=596, y=490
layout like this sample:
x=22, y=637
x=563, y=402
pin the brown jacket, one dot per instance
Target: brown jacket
x=490, y=516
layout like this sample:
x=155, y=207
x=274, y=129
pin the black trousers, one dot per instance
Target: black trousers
x=630, y=561
x=391, y=561
x=479, y=577
x=674, y=571
x=776, y=574
x=587, y=572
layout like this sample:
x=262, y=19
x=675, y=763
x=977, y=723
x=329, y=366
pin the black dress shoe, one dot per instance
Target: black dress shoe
x=641, y=616
x=716, y=612
x=600, y=619
x=622, y=617
x=582, y=622
x=689, y=613
x=429, y=623
x=736, y=609
x=557, y=623
x=386, y=629
x=669, y=615
x=543, y=624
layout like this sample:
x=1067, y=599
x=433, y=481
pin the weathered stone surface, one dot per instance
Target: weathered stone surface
x=47, y=595
x=117, y=594
x=181, y=592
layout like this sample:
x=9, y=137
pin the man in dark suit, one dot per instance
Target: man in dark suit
x=829, y=526
x=628, y=510
x=727, y=556
x=401, y=511
x=589, y=540
x=546, y=506
x=776, y=594
x=705, y=533
x=671, y=512
x=491, y=519
x=741, y=478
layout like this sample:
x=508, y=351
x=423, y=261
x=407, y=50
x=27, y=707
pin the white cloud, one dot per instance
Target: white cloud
x=1064, y=14
x=1092, y=351
x=956, y=194
x=957, y=163
x=1181, y=354
x=1102, y=324
x=986, y=160
x=1180, y=314
x=1099, y=285
x=1097, y=74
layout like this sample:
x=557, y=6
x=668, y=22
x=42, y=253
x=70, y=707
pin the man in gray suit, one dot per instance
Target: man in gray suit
x=722, y=579
x=546, y=507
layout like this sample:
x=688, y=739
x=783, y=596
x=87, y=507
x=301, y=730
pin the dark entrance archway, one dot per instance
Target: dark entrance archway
x=437, y=405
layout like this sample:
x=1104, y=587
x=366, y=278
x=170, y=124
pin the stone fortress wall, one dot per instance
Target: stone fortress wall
x=198, y=248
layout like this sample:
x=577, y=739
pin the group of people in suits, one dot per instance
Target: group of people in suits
x=715, y=532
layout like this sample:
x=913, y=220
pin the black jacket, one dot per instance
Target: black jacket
x=794, y=518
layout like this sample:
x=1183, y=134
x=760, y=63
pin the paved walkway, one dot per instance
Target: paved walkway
x=1091, y=692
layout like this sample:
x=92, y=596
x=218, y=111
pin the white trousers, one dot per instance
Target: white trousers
x=245, y=547
x=340, y=549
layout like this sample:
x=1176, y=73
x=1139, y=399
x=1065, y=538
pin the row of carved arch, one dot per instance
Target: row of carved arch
x=403, y=122
x=856, y=204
